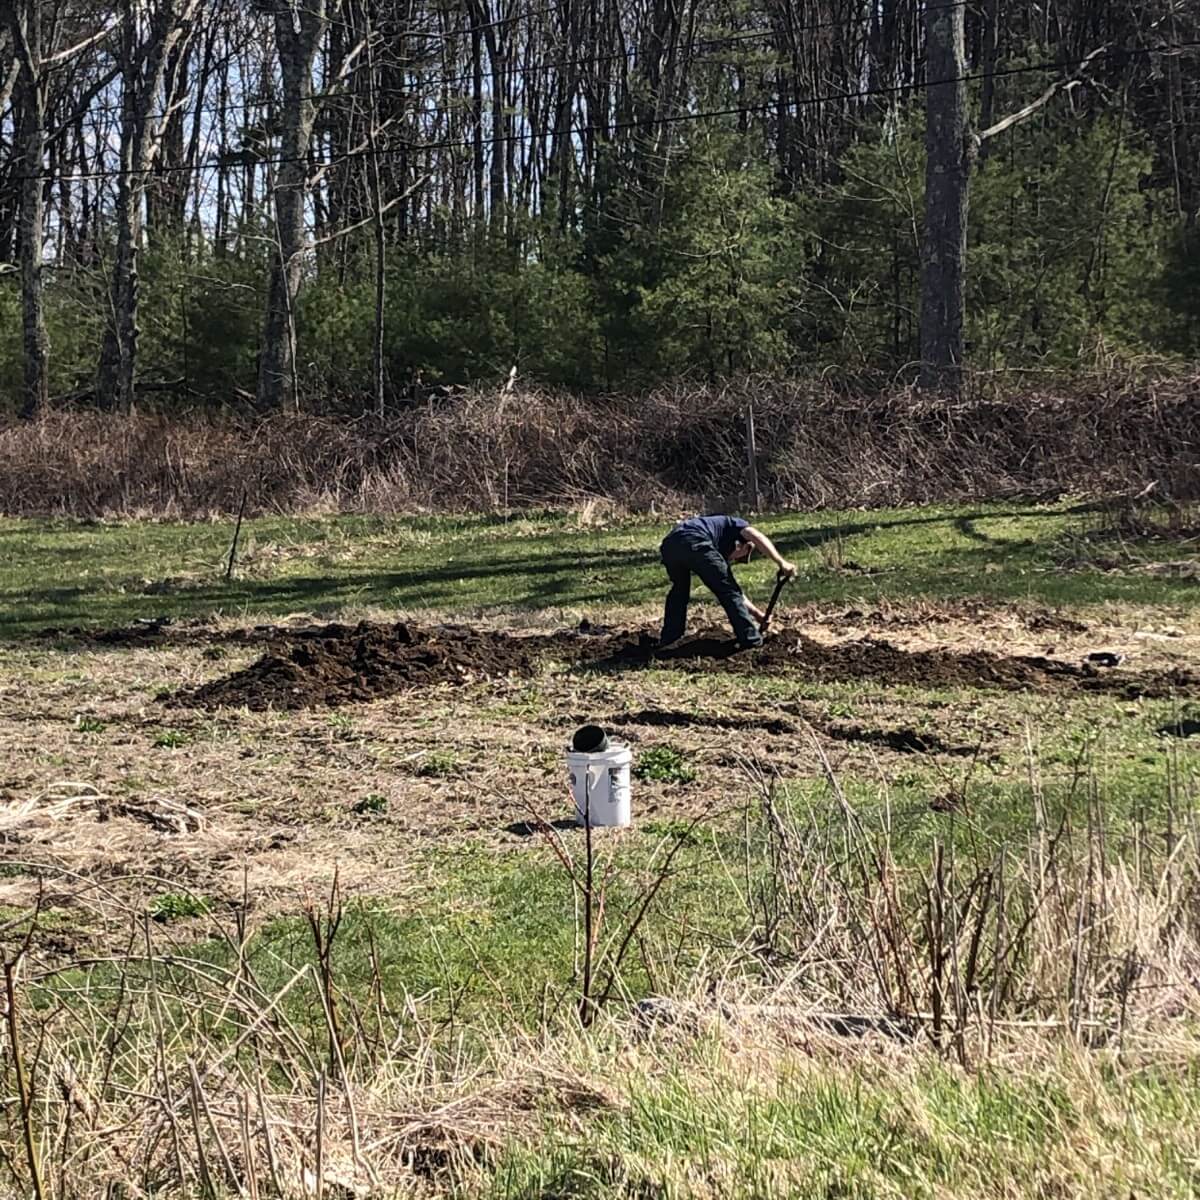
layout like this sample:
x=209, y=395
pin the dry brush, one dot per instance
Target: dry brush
x=672, y=447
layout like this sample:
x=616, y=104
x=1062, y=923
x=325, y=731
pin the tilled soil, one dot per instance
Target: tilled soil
x=331, y=665
x=339, y=664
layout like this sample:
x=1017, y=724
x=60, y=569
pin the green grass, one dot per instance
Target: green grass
x=172, y=906
x=707, y=1129
x=664, y=764
x=59, y=573
x=489, y=939
x=172, y=739
x=482, y=953
x=480, y=948
x=439, y=764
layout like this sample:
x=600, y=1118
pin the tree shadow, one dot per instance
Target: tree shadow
x=527, y=829
x=560, y=575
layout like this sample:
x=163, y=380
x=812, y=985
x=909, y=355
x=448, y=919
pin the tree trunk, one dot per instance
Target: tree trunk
x=298, y=33
x=143, y=67
x=991, y=38
x=115, y=380
x=380, y=230
x=947, y=174
x=25, y=26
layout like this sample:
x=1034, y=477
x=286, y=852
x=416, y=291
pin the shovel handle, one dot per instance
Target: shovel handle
x=780, y=579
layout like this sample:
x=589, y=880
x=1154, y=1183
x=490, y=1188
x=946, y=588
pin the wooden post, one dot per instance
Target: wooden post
x=237, y=529
x=752, y=456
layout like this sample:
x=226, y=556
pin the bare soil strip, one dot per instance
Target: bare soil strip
x=332, y=665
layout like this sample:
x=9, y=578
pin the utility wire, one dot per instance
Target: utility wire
x=410, y=147
x=534, y=69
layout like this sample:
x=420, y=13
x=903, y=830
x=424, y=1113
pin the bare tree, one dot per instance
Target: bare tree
x=299, y=30
x=28, y=22
x=951, y=148
x=948, y=152
x=377, y=214
x=148, y=41
x=25, y=27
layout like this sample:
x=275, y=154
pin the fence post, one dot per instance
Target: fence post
x=752, y=456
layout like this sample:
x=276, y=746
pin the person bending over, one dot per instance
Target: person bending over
x=706, y=546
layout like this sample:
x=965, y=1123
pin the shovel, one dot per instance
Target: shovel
x=780, y=580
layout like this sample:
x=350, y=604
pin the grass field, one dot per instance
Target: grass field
x=869, y=935
x=68, y=573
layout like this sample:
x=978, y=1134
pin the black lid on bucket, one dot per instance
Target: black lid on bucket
x=589, y=739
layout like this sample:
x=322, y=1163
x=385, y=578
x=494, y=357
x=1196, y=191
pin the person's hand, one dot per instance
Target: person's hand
x=753, y=609
x=787, y=569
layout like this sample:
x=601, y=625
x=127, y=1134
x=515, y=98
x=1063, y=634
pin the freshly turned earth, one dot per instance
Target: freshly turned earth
x=325, y=666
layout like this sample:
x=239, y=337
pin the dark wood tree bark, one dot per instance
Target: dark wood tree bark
x=145, y=54
x=947, y=172
x=25, y=26
x=299, y=29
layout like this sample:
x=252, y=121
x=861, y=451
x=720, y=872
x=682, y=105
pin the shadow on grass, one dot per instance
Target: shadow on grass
x=561, y=576
x=528, y=829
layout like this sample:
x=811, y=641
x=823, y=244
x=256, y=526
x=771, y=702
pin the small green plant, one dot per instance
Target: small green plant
x=439, y=764
x=664, y=764
x=172, y=739
x=371, y=803
x=676, y=829
x=171, y=906
x=89, y=724
x=342, y=725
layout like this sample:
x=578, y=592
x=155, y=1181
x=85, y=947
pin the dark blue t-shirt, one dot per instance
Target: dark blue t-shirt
x=723, y=532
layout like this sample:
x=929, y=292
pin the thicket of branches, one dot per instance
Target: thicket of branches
x=672, y=447
x=299, y=201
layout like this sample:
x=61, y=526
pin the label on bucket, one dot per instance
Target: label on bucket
x=600, y=786
x=618, y=784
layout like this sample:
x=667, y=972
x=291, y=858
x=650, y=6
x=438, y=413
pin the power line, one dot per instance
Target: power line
x=616, y=126
x=523, y=72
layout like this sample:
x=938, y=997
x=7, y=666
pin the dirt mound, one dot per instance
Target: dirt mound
x=340, y=664
x=337, y=664
x=872, y=660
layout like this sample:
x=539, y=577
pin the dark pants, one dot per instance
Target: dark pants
x=684, y=554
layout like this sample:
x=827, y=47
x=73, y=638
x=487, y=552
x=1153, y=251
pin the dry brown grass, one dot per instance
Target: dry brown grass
x=1057, y=959
x=673, y=446
x=176, y=1076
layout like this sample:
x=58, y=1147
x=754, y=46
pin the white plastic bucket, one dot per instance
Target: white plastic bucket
x=600, y=785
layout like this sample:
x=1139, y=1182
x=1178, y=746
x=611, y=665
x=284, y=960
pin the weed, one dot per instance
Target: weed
x=89, y=724
x=342, y=724
x=172, y=739
x=674, y=829
x=371, y=804
x=172, y=906
x=664, y=764
x=440, y=764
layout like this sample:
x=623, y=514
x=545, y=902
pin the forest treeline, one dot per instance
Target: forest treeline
x=345, y=203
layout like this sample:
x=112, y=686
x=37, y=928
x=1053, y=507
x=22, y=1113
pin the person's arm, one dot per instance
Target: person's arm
x=763, y=543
